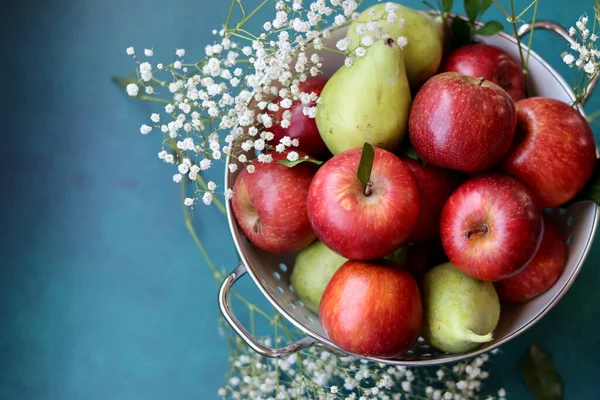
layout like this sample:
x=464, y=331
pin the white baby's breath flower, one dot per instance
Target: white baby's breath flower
x=361, y=29
x=149, y=90
x=132, y=89
x=232, y=167
x=590, y=68
x=348, y=62
x=146, y=71
x=229, y=194
x=145, y=129
x=130, y=51
x=342, y=44
x=292, y=156
x=360, y=52
x=148, y=52
x=155, y=118
x=188, y=201
x=280, y=148
x=177, y=178
x=572, y=31
x=402, y=41
x=207, y=198
x=180, y=52
x=251, y=168
x=367, y=41
x=177, y=65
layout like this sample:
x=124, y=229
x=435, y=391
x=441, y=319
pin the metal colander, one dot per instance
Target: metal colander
x=271, y=273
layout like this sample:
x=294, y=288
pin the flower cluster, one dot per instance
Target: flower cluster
x=315, y=373
x=227, y=103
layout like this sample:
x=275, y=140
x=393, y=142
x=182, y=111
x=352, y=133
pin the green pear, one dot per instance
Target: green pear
x=424, y=33
x=314, y=267
x=459, y=312
x=367, y=102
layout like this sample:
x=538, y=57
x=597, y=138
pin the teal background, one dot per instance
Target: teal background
x=103, y=294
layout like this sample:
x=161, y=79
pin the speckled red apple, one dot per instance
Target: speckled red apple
x=553, y=152
x=541, y=273
x=372, y=308
x=491, y=227
x=435, y=185
x=357, y=224
x=269, y=205
x=462, y=123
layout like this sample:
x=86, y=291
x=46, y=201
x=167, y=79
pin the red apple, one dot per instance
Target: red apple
x=359, y=223
x=553, y=152
x=491, y=63
x=301, y=126
x=541, y=273
x=462, y=123
x=421, y=256
x=372, y=309
x=491, y=227
x=435, y=185
x=269, y=205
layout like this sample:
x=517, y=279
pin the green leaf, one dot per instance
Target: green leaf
x=291, y=164
x=412, y=153
x=541, y=377
x=485, y=4
x=461, y=32
x=447, y=5
x=366, y=164
x=490, y=28
x=472, y=9
x=428, y=4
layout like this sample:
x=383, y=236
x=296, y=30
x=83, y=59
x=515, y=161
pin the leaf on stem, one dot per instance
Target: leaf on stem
x=485, y=4
x=541, y=377
x=428, y=4
x=490, y=28
x=366, y=164
x=472, y=9
x=461, y=32
x=291, y=164
x=447, y=5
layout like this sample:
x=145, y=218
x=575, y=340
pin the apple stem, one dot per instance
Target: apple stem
x=481, y=229
x=475, y=338
x=256, y=223
x=480, y=81
x=368, y=190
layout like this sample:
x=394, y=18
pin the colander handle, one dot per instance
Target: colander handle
x=243, y=333
x=563, y=33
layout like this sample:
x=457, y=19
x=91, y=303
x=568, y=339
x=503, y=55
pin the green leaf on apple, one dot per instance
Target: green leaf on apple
x=461, y=31
x=490, y=28
x=447, y=5
x=291, y=164
x=541, y=377
x=366, y=164
x=472, y=9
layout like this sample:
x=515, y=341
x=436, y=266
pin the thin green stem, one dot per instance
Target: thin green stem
x=229, y=14
x=261, y=5
x=533, y=19
x=534, y=2
x=506, y=14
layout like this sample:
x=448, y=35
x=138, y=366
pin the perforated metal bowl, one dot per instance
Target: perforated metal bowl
x=271, y=273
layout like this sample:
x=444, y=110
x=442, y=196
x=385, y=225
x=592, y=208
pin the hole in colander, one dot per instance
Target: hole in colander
x=300, y=303
x=426, y=355
x=562, y=211
x=409, y=352
x=280, y=289
x=311, y=319
x=570, y=240
x=276, y=275
x=570, y=221
x=291, y=288
x=292, y=306
x=548, y=211
x=283, y=267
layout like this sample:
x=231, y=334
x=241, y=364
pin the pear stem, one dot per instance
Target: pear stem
x=475, y=338
x=368, y=190
x=481, y=229
x=480, y=81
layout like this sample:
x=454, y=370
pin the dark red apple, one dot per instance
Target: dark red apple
x=269, y=205
x=301, y=126
x=541, y=273
x=359, y=223
x=421, y=256
x=372, y=309
x=553, y=152
x=491, y=227
x=491, y=63
x=462, y=123
x=435, y=185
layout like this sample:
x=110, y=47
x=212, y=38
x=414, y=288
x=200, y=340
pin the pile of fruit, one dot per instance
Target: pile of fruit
x=427, y=212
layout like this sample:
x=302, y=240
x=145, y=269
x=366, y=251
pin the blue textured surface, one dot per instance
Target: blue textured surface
x=103, y=294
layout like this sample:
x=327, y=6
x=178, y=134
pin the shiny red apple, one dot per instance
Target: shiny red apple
x=553, y=152
x=301, y=126
x=491, y=227
x=363, y=223
x=435, y=185
x=541, y=273
x=491, y=63
x=462, y=123
x=372, y=308
x=269, y=205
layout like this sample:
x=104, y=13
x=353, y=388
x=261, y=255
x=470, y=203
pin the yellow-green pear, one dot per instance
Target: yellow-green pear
x=366, y=102
x=424, y=34
x=459, y=312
